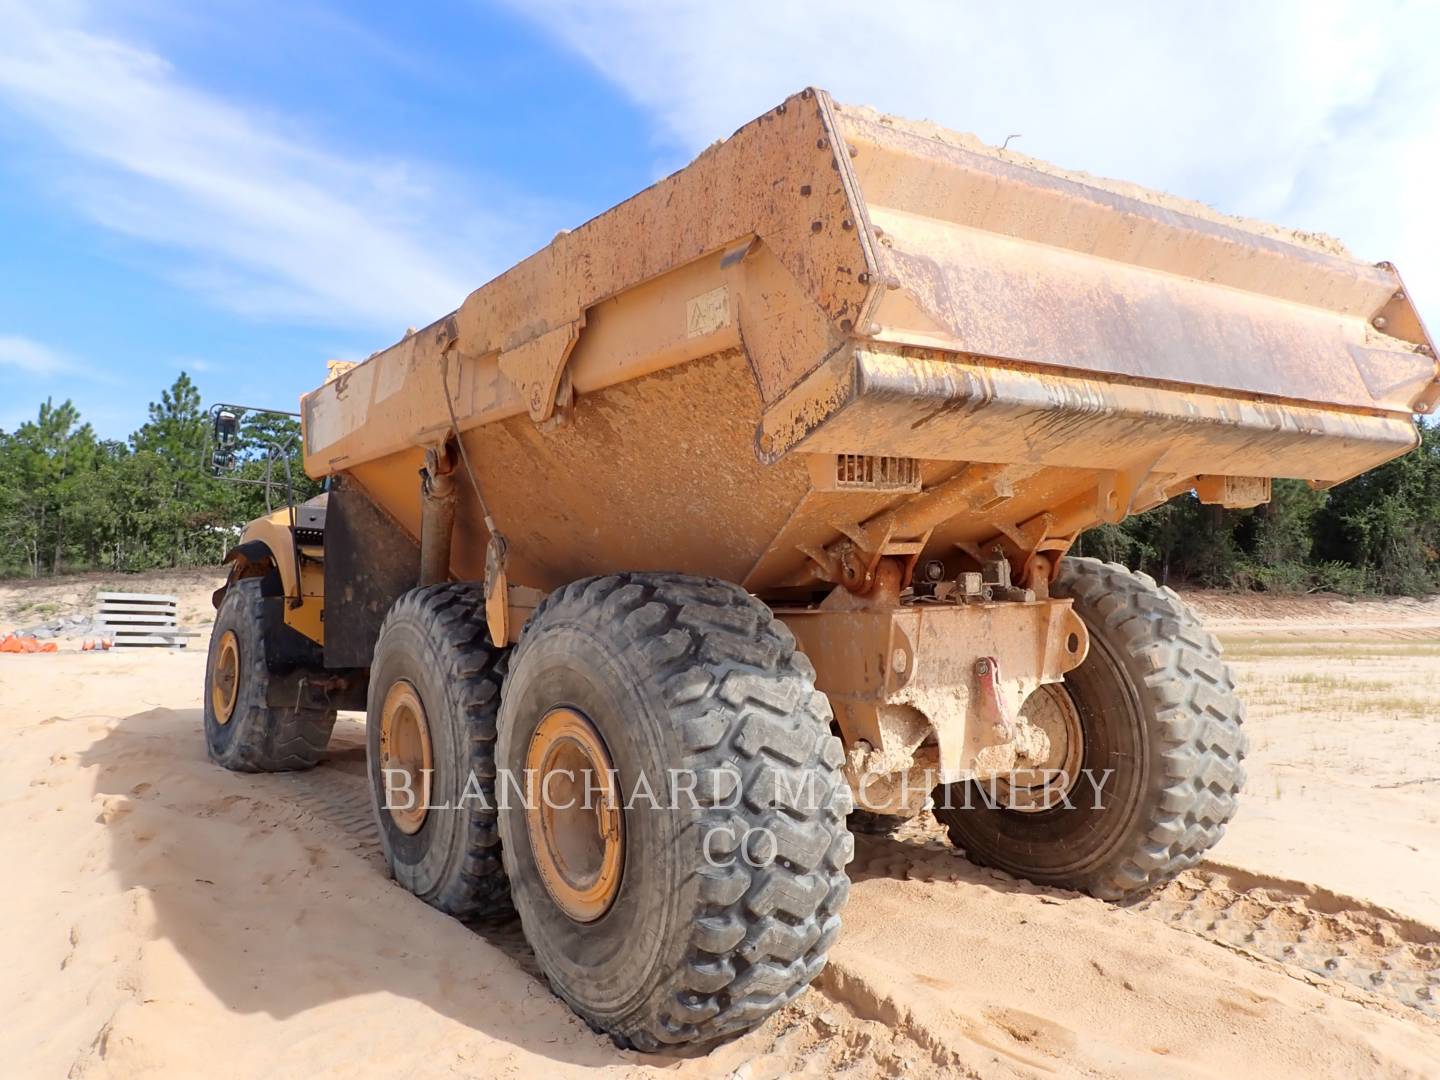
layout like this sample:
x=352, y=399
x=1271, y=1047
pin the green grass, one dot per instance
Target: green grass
x=31, y=610
x=1314, y=681
x=1242, y=649
x=1394, y=706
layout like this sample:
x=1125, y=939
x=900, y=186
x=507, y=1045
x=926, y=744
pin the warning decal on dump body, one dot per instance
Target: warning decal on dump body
x=708, y=312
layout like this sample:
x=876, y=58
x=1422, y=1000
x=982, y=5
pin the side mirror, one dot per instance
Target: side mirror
x=225, y=437
x=227, y=429
x=228, y=452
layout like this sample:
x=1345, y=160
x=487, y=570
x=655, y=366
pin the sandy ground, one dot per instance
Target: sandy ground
x=165, y=917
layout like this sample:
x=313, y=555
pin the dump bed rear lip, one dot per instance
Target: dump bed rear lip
x=930, y=404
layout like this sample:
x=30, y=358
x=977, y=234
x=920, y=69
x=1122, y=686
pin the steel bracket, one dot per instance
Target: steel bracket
x=535, y=367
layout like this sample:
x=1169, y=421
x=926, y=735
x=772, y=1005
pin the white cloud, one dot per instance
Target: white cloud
x=30, y=357
x=1324, y=116
x=265, y=220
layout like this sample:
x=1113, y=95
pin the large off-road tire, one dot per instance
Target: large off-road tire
x=434, y=698
x=722, y=908
x=1157, y=705
x=242, y=731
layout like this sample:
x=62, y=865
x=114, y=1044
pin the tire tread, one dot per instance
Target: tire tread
x=740, y=695
x=267, y=738
x=451, y=615
x=1202, y=738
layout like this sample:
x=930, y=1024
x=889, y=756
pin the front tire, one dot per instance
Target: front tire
x=1162, y=740
x=724, y=903
x=243, y=732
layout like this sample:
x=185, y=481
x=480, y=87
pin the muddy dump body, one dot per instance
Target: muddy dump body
x=833, y=316
x=846, y=387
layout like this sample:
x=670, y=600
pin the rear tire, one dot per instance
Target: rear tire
x=1157, y=706
x=682, y=678
x=242, y=731
x=434, y=656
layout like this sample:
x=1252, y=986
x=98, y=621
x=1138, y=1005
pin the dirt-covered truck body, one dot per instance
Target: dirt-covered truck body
x=879, y=378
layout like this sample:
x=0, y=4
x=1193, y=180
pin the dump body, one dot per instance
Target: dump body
x=837, y=347
x=672, y=384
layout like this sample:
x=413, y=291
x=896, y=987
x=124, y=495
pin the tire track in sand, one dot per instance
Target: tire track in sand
x=1332, y=936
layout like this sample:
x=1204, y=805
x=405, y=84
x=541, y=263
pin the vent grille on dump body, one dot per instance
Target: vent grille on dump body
x=865, y=472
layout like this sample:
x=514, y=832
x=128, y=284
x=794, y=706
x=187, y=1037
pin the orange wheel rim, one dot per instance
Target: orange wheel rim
x=225, y=679
x=406, y=760
x=573, y=815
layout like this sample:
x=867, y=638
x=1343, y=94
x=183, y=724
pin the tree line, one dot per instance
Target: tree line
x=1377, y=533
x=70, y=500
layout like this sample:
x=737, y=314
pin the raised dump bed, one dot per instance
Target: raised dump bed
x=845, y=381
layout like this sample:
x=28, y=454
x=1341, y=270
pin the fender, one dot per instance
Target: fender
x=266, y=546
x=267, y=549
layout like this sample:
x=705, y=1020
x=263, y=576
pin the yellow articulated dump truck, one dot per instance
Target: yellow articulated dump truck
x=746, y=505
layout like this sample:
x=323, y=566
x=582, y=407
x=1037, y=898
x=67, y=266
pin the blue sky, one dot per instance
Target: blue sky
x=243, y=190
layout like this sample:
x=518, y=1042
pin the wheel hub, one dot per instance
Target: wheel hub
x=1051, y=709
x=573, y=814
x=405, y=757
x=225, y=680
